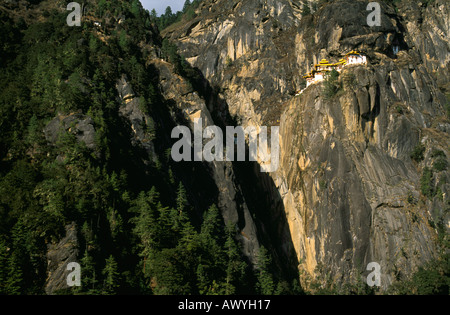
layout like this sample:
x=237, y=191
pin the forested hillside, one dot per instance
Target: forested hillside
x=86, y=174
x=66, y=156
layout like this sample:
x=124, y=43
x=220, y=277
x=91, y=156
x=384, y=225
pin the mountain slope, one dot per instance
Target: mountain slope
x=352, y=186
x=86, y=173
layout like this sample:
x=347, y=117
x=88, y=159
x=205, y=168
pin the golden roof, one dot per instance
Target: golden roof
x=326, y=63
x=353, y=52
x=341, y=62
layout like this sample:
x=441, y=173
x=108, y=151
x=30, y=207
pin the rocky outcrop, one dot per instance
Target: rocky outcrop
x=349, y=177
x=189, y=106
x=347, y=185
x=207, y=183
x=59, y=255
x=427, y=29
x=141, y=123
x=80, y=125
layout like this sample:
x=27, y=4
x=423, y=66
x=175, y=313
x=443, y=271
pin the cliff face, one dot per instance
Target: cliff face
x=58, y=257
x=347, y=188
x=363, y=173
x=187, y=107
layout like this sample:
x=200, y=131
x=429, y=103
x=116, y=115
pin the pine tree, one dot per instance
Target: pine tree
x=181, y=198
x=89, y=276
x=123, y=41
x=202, y=280
x=111, y=276
x=186, y=5
x=146, y=227
x=13, y=284
x=153, y=15
x=331, y=84
x=169, y=226
x=168, y=13
x=33, y=131
x=235, y=268
x=265, y=283
x=136, y=8
x=212, y=222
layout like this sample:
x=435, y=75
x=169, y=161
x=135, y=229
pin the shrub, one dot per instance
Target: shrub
x=306, y=10
x=228, y=62
x=417, y=153
x=323, y=184
x=440, y=164
x=437, y=153
x=426, y=186
x=331, y=84
x=440, y=160
x=411, y=199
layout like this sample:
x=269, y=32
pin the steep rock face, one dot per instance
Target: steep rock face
x=232, y=43
x=141, y=124
x=346, y=184
x=350, y=180
x=80, y=125
x=428, y=31
x=189, y=106
x=59, y=256
x=186, y=106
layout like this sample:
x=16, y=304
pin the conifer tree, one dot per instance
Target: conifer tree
x=211, y=223
x=181, y=198
x=168, y=13
x=186, y=5
x=265, y=283
x=235, y=267
x=111, y=276
x=136, y=8
x=202, y=280
x=14, y=281
x=88, y=279
x=146, y=227
x=153, y=15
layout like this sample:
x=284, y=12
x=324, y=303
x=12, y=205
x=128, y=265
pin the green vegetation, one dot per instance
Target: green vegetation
x=418, y=153
x=426, y=183
x=440, y=164
x=137, y=232
x=265, y=283
x=228, y=62
x=306, y=10
x=331, y=85
x=440, y=160
x=169, y=18
x=434, y=277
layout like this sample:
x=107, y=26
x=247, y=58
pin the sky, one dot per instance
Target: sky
x=161, y=5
